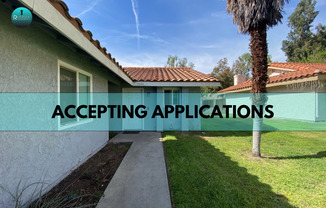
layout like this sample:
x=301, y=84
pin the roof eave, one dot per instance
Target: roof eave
x=298, y=80
x=177, y=84
x=45, y=11
x=280, y=68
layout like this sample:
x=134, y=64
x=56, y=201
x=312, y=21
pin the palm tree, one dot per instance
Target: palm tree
x=254, y=17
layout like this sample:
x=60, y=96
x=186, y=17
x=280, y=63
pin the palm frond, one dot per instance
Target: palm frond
x=249, y=14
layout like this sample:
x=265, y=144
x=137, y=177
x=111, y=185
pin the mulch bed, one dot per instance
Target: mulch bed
x=85, y=186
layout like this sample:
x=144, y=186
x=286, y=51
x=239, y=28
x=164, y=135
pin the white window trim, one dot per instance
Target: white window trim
x=77, y=70
x=172, y=88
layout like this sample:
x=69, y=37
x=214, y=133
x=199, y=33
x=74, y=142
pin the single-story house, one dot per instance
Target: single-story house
x=56, y=54
x=161, y=85
x=295, y=87
x=287, y=77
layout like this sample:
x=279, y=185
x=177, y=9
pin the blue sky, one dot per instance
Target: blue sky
x=145, y=32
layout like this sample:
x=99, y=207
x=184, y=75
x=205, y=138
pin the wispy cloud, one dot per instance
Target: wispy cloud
x=144, y=59
x=90, y=8
x=118, y=35
x=134, y=9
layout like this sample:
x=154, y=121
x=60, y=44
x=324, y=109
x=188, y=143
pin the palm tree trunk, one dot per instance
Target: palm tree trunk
x=256, y=136
x=258, y=47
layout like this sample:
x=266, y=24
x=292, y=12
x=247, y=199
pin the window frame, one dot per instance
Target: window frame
x=78, y=71
x=172, y=88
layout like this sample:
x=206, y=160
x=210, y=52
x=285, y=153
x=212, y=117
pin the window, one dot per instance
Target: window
x=75, y=89
x=171, y=97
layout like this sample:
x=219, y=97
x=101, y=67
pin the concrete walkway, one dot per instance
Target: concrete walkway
x=141, y=179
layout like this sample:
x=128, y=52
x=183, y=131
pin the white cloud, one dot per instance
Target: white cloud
x=90, y=8
x=118, y=36
x=134, y=9
x=144, y=59
x=205, y=59
x=221, y=14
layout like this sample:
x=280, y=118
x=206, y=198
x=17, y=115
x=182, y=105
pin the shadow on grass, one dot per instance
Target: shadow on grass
x=318, y=155
x=203, y=176
x=228, y=133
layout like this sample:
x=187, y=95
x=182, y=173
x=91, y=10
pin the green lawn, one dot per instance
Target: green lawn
x=240, y=124
x=215, y=169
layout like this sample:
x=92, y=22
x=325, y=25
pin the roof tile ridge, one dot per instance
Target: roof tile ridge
x=132, y=74
x=197, y=74
x=188, y=75
x=179, y=75
x=160, y=76
x=150, y=76
x=144, y=74
x=168, y=74
x=139, y=74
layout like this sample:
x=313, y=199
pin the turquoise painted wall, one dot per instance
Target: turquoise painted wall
x=153, y=96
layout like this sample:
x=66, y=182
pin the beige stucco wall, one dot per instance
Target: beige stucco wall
x=29, y=63
x=285, y=89
x=323, y=90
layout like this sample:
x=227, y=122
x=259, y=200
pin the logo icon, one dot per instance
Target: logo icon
x=21, y=17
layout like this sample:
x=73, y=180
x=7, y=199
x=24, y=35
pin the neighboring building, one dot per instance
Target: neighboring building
x=55, y=54
x=289, y=77
x=289, y=80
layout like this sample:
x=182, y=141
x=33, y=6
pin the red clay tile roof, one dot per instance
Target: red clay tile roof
x=167, y=74
x=243, y=85
x=61, y=7
x=302, y=70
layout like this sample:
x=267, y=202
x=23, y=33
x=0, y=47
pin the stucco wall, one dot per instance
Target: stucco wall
x=321, y=112
x=194, y=98
x=310, y=97
x=288, y=103
x=29, y=63
x=323, y=89
x=315, y=106
x=285, y=89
